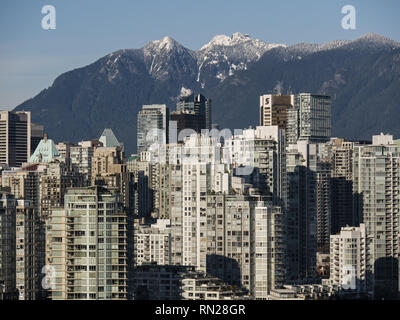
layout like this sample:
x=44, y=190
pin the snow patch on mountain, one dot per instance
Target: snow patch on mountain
x=370, y=41
x=224, y=55
x=165, y=44
x=237, y=39
x=185, y=92
x=164, y=56
x=111, y=67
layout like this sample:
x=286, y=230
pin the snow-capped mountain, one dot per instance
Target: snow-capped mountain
x=369, y=42
x=217, y=60
x=232, y=71
x=163, y=56
x=223, y=56
x=213, y=63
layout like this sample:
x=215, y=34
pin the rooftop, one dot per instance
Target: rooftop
x=109, y=139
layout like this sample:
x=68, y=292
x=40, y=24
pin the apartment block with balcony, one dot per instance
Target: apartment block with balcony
x=348, y=259
x=87, y=245
x=376, y=181
x=152, y=243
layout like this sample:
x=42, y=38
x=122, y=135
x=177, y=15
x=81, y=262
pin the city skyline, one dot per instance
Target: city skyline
x=98, y=223
x=239, y=170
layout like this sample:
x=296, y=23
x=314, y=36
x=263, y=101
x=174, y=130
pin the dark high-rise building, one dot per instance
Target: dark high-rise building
x=20, y=253
x=187, y=121
x=303, y=176
x=342, y=187
x=15, y=137
x=323, y=203
x=8, y=290
x=192, y=112
x=310, y=119
x=37, y=134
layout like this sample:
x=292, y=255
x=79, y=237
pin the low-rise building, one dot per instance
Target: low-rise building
x=152, y=243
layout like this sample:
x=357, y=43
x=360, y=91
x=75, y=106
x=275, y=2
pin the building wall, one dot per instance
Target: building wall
x=268, y=268
x=87, y=245
x=29, y=255
x=15, y=137
x=348, y=258
x=376, y=182
x=152, y=126
x=152, y=243
x=8, y=246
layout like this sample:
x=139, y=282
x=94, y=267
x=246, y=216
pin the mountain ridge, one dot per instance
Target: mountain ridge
x=110, y=91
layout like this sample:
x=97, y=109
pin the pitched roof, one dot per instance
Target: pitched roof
x=108, y=139
x=45, y=152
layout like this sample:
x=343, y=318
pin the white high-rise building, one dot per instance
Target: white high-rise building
x=86, y=246
x=152, y=243
x=246, y=242
x=193, y=172
x=268, y=251
x=376, y=186
x=348, y=258
x=81, y=158
x=259, y=156
x=152, y=126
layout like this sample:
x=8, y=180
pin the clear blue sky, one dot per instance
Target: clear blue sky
x=31, y=58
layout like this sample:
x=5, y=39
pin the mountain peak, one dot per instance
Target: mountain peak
x=165, y=44
x=226, y=41
x=369, y=41
x=225, y=55
x=167, y=41
x=373, y=36
x=123, y=81
x=240, y=36
x=378, y=39
x=219, y=40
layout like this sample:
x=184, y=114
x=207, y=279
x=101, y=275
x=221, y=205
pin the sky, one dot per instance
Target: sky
x=86, y=30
